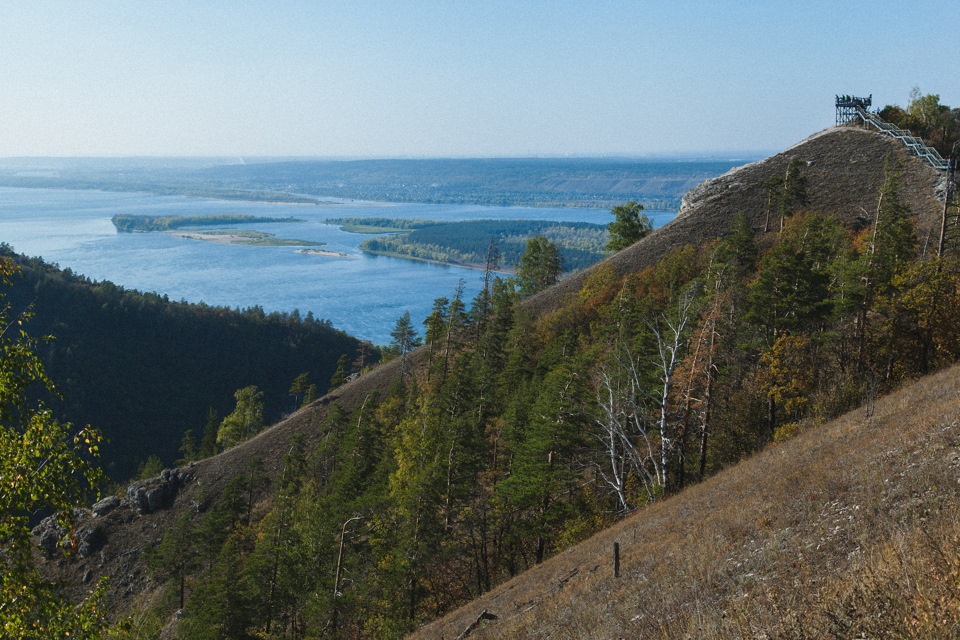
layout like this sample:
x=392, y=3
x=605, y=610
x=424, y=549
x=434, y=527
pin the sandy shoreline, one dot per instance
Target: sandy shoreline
x=325, y=253
x=219, y=238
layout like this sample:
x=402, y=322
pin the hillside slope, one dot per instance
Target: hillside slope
x=843, y=168
x=849, y=528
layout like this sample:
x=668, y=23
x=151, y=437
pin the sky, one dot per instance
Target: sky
x=461, y=78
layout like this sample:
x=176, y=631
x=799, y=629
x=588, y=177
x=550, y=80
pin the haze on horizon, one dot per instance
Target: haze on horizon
x=432, y=78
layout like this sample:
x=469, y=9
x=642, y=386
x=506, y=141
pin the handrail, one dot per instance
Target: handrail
x=913, y=143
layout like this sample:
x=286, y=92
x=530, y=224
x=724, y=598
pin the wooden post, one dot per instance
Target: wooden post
x=616, y=559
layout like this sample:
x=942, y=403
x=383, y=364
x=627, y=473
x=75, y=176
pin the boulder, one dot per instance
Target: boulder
x=106, y=505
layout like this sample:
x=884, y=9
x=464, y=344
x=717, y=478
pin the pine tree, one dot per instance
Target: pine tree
x=208, y=444
x=405, y=339
x=188, y=448
x=540, y=266
x=340, y=375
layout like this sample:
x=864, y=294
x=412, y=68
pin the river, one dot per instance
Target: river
x=360, y=294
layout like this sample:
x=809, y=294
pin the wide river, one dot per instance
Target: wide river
x=360, y=294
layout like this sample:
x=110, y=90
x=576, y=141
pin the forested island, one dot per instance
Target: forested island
x=133, y=224
x=130, y=223
x=468, y=243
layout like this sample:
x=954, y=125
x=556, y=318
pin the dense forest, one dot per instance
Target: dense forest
x=145, y=369
x=468, y=243
x=515, y=437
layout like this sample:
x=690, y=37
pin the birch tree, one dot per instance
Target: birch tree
x=636, y=420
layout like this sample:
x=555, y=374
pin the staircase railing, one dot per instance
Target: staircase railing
x=914, y=144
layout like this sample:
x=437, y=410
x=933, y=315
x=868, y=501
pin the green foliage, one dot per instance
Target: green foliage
x=340, y=375
x=208, y=445
x=785, y=193
x=304, y=392
x=380, y=225
x=792, y=289
x=188, y=448
x=404, y=335
x=45, y=466
x=150, y=468
x=246, y=419
x=924, y=116
x=629, y=225
x=739, y=248
x=539, y=267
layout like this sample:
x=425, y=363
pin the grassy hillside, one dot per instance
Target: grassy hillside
x=430, y=480
x=849, y=530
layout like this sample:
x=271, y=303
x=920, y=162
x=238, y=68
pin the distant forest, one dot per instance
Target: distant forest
x=567, y=182
x=580, y=243
x=144, y=369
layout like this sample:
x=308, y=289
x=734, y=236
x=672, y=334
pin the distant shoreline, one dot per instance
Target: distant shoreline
x=249, y=238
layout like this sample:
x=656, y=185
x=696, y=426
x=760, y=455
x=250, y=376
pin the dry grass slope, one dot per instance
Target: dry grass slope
x=852, y=529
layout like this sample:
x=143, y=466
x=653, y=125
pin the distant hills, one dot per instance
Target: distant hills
x=581, y=182
x=568, y=182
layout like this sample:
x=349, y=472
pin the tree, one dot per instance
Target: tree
x=628, y=226
x=208, y=444
x=175, y=557
x=340, y=375
x=245, y=420
x=405, y=339
x=45, y=466
x=937, y=124
x=188, y=448
x=540, y=266
x=304, y=392
x=785, y=194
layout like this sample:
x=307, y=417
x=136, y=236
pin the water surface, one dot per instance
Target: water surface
x=362, y=295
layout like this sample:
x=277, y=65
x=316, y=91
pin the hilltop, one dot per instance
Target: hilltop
x=476, y=457
x=843, y=167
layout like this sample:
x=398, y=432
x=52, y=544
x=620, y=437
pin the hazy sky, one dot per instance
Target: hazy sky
x=454, y=77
